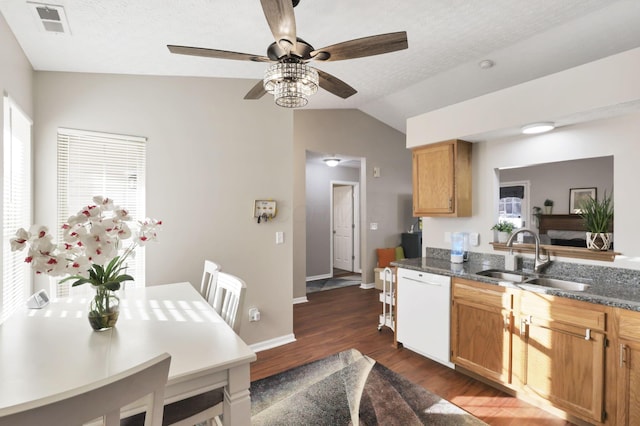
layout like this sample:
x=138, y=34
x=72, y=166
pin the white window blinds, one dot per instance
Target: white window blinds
x=16, y=276
x=92, y=163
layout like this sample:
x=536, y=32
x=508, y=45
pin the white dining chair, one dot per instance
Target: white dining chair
x=102, y=398
x=209, y=278
x=228, y=299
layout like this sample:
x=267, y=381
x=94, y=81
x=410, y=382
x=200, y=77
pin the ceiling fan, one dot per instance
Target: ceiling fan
x=289, y=78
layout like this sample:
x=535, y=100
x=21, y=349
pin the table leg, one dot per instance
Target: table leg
x=237, y=402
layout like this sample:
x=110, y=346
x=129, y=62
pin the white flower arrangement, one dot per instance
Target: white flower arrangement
x=91, y=240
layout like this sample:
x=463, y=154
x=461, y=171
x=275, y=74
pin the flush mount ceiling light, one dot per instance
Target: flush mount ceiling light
x=291, y=82
x=331, y=162
x=533, y=128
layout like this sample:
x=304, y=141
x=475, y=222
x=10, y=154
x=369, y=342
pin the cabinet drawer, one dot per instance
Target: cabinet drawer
x=485, y=294
x=628, y=324
x=572, y=312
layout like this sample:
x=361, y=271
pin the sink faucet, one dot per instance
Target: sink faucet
x=539, y=262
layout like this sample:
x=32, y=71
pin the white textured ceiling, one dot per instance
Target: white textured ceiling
x=526, y=39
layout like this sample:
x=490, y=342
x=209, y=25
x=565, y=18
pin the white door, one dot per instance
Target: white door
x=343, y=227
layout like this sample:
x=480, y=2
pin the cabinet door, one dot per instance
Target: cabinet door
x=433, y=180
x=564, y=364
x=628, y=401
x=482, y=339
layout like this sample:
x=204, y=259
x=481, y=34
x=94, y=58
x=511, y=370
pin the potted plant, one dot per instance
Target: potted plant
x=597, y=216
x=548, y=206
x=503, y=229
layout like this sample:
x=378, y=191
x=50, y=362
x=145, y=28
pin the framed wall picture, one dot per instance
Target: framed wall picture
x=578, y=195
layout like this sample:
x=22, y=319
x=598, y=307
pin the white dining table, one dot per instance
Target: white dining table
x=47, y=351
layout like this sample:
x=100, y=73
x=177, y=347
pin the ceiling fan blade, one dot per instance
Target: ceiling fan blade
x=362, y=47
x=218, y=54
x=282, y=22
x=256, y=91
x=334, y=85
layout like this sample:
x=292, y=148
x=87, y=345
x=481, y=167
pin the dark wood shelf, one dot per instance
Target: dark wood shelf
x=560, y=251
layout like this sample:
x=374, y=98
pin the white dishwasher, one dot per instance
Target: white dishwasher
x=423, y=310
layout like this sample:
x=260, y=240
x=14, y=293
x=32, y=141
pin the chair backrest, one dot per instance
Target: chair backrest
x=102, y=398
x=228, y=299
x=209, y=278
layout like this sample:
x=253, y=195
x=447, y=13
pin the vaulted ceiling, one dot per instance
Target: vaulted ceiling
x=448, y=39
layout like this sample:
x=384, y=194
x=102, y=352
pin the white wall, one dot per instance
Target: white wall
x=210, y=155
x=318, y=193
x=355, y=134
x=619, y=137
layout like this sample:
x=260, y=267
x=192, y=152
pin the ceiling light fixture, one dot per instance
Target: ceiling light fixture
x=331, y=162
x=291, y=82
x=533, y=128
x=485, y=64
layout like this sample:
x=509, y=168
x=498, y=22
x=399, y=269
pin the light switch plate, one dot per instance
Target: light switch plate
x=373, y=226
x=279, y=237
x=474, y=239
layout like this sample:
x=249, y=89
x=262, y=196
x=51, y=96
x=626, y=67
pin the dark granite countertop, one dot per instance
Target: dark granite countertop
x=615, y=288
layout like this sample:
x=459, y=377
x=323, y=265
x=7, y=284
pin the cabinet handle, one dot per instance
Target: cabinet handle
x=587, y=334
x=523, y=326
x=507, y=322
x=623, y=353
x=450, y=203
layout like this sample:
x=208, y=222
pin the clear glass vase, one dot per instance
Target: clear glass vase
x=104, y=309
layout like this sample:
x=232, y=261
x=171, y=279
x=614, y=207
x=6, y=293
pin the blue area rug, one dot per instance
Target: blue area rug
x=331, y=283
x=350, y=389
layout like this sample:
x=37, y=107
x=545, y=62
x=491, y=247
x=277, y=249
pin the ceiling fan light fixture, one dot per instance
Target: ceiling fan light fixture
x=291, y=83
x=331, y=162
x=534, y=128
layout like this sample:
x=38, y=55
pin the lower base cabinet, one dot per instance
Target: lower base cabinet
x=551, y=349
x=565, y=368
x=627, y=366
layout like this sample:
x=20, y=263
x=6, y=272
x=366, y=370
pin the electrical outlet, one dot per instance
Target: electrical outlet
x=254, y=314
x=474, y=239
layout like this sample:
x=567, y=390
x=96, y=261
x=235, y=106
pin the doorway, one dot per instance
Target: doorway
x=345, y=227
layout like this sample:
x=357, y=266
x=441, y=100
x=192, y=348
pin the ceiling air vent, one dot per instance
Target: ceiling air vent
x=50, y=17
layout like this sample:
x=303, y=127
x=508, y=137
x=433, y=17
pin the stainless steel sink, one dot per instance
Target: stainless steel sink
x=559, y=284
x=503, y=275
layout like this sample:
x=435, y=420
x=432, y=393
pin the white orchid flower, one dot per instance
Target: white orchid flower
x=19, y=242
x=104, y=202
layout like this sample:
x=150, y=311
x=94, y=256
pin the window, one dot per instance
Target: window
x=16, y=212
x=92, y=163
x=513, y=204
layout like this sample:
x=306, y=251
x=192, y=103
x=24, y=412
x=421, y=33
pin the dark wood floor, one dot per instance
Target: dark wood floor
x=336, y=320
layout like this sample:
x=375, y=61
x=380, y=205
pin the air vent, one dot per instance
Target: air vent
x=50, y=18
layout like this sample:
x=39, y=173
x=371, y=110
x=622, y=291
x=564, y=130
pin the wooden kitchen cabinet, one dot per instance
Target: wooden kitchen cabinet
x=563, y=344
x=442, y=179
x=628, y=367
x=481, y=329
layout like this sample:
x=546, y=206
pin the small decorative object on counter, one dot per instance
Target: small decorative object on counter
x=90, y=253
x=598, y=216
x=548, y=206
x=503, y=229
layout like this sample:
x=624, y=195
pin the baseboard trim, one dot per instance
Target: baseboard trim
x=320, y=277
x=300, y=300
x=273, y=343
x=367, y=286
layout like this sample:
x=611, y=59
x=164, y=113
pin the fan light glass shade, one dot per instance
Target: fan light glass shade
x=331, y=162
x=531, y=129
x=291, y=83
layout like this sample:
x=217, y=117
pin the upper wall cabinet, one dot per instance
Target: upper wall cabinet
x=442, y=179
